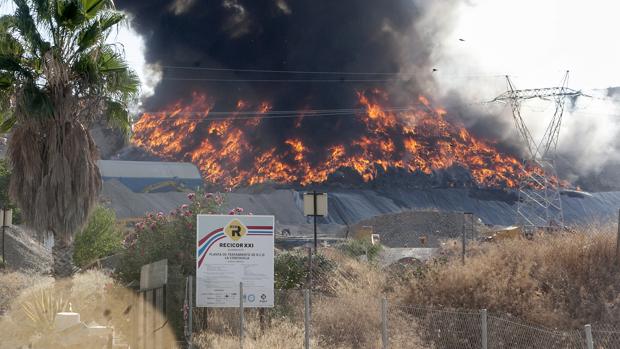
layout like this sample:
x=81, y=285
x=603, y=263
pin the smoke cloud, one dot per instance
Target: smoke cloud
x=430, y=44
x=535, y=43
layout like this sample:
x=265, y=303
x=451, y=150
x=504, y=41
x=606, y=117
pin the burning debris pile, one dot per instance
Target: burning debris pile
x=241, y=149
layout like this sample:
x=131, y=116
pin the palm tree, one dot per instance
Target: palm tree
x=58, y=75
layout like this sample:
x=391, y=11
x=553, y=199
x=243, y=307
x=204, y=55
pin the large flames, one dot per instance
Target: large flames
x=230, y=152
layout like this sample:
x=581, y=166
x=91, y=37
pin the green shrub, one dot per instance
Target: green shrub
x=291, y=270
x=356, y=248
x=169, y=236
x=5, y=177
x=100, y=238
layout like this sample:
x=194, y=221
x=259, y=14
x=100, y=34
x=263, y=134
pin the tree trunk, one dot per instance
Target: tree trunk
x=62, y=254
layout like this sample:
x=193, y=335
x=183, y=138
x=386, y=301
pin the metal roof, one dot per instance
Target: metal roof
x=147, y=169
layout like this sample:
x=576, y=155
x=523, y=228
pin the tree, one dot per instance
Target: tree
x=99, y=238
x=58, y=75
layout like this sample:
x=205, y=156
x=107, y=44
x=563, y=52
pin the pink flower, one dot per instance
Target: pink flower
x=153, y=225
x=208, y=195
x=184, y=207
x=239, y=209
x=232, y=212
x=188, y=213
x=173, y=213
x=191, y=196
x=149, y=215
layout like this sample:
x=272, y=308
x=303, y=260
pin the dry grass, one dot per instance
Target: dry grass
x=561, y=281
x=94, y=295
x=12, y=283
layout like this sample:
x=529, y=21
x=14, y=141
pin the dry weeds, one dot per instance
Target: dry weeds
x=560, y=281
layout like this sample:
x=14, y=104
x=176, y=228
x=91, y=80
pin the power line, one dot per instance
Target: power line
x=319, y=72
x=280, y=80
x=277, y=71
x=282, y=114
x=276, y=112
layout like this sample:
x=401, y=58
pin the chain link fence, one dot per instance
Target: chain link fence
x=300, y=319
x=605, y=337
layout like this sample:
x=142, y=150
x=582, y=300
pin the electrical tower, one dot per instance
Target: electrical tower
x=539, y=204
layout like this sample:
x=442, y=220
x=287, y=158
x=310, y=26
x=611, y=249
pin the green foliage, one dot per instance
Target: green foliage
x=51, y=45
x=291, y=270
x=169, y=236
x=5, y=177
x=363, y=247
x=100, y=238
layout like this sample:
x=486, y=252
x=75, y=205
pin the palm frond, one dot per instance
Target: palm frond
x=6, y=81
x=12, y=64
x=110, y=60
x=89, y=36
x=43, y=9
x=8, y=121
x=124, y=84
x=37, y=103
x=110, y=19
x=69, y=13
x=117, y=116
x=28, y=28
x=92, y=7
x=6, y=23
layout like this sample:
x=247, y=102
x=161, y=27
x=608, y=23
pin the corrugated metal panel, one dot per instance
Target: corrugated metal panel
x=147, y=169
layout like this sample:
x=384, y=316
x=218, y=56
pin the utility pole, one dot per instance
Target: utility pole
x=314, y=216
x=539, y=204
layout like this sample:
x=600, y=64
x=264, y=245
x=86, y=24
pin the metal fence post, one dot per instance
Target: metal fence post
x=384, y=325
x=483, y=315
x=617, y=242
x=589, y=341
x=241, y=315
x=307, y=327
x=191, y=310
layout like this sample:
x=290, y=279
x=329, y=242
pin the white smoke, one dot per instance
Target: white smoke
x=535, y=42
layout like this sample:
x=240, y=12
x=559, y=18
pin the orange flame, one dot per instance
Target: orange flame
x=418, y=139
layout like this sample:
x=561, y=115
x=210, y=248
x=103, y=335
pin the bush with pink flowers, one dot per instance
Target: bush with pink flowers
x=168, y=235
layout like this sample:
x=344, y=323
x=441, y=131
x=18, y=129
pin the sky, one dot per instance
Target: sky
x=536, y=41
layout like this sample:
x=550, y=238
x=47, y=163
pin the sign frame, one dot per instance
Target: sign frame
x=233, y=249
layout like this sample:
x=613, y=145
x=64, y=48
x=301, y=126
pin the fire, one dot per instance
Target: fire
x=231, y=151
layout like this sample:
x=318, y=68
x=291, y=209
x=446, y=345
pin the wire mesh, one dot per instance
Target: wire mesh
x=353, y=321
x=605, y=337
x=258, y=322
x=504, y=333
x=433, y=328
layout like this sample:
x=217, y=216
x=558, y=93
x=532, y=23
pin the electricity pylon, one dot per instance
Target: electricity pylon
x=539, y=205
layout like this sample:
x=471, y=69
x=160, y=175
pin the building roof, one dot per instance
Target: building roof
x=147, y=169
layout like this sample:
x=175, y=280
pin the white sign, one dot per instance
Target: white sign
x=233, y=249
x=321, y=204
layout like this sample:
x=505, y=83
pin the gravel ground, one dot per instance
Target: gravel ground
x=25, y=253
x=405, y=229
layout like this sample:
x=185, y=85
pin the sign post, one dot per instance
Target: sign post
x=231, y=250
x=315, y=205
